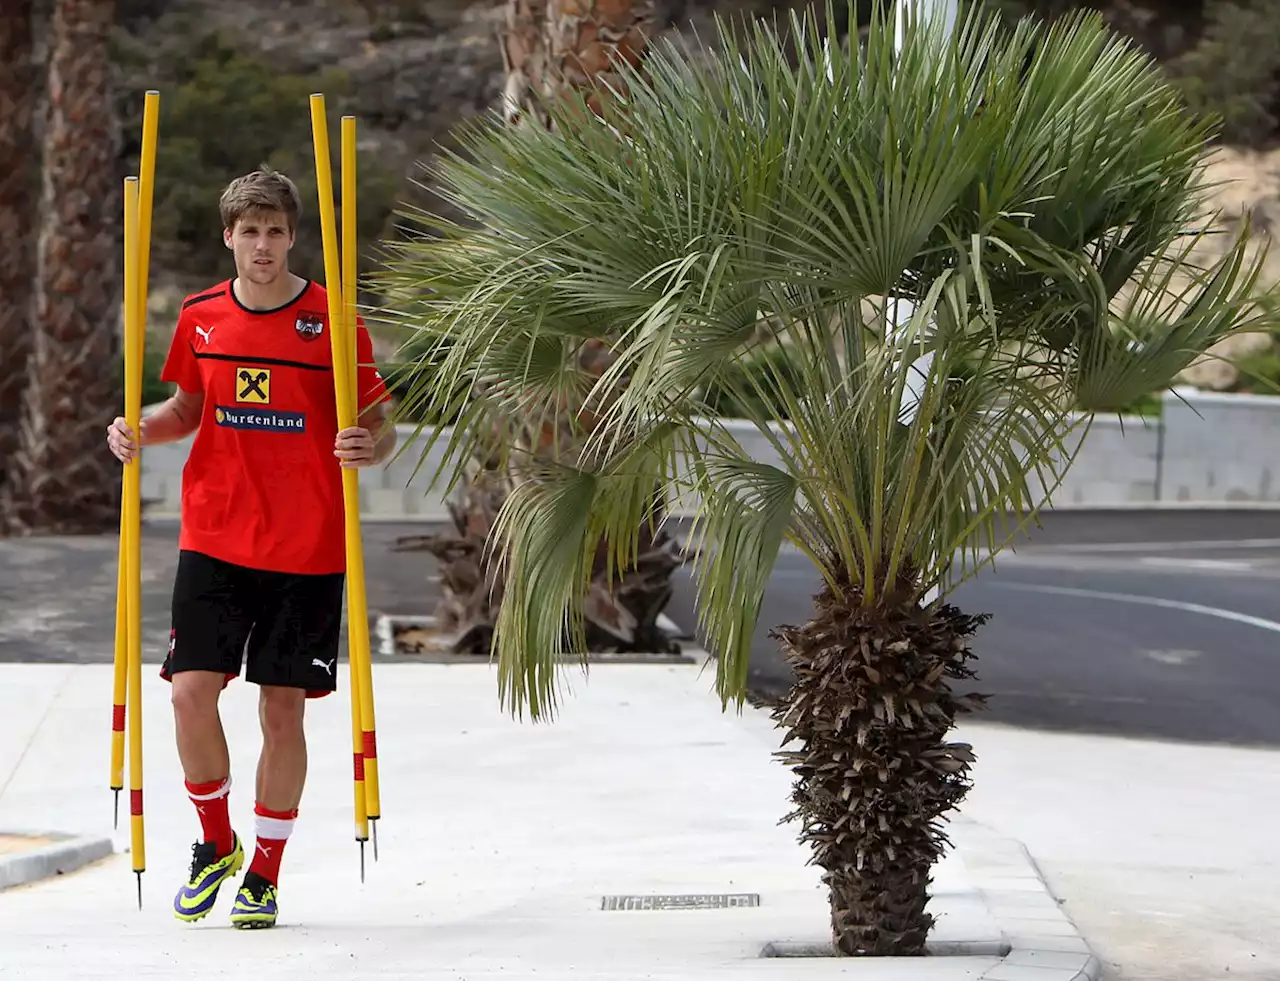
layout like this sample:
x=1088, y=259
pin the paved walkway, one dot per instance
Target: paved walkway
x=499, y=841
x=500, y=838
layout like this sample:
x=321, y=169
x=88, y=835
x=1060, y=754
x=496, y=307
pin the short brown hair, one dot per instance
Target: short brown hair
x=263, y=190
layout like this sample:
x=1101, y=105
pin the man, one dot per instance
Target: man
x=262, y=548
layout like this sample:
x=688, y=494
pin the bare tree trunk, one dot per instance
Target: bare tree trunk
x=67, y=482
x=18, y=217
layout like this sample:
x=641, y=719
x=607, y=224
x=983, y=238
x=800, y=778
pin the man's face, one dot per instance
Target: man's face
x=260, y=242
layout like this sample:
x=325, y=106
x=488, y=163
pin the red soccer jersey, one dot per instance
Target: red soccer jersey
x=261, y=487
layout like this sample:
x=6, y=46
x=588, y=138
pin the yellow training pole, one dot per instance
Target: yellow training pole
x=357, y=741
x=132, y=505
x=134, y=349
x=122, y=659
x=358, y=606
x=146, y=194
x=333, y=288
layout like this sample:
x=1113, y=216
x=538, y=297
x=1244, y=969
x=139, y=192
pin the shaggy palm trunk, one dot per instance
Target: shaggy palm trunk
x=555, y=50
x=67, y=482
x=18, y=216
x=871, y=708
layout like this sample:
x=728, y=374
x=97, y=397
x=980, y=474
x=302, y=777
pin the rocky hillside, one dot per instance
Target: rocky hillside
x=235, y=77
x=1248, y=187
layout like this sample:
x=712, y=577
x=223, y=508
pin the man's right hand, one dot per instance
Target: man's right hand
x=120, y=440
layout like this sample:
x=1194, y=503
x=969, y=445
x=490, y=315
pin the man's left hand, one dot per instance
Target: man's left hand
x=355, y=447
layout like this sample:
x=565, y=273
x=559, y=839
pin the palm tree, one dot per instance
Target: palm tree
x=564, y=55
x=64, y=482
x=18, y=173
x=1032, y=195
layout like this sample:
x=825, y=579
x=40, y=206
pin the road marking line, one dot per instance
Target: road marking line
x=1226, y=544
x=1209, y=611
x=998, y=692
x=1169, y=560
x=1171, y=656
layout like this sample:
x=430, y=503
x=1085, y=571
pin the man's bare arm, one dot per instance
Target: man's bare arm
x=177, y=418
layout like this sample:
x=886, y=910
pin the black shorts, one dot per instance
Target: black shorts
x=287, y=626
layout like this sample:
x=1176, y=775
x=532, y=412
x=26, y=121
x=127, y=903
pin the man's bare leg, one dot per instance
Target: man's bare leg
x=282, y=772
x=202, y=749
x=202, y=745
x=282, y=767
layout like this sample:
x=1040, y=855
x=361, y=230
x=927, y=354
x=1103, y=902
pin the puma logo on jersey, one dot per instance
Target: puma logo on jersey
x=327, y=665
x=206, y=332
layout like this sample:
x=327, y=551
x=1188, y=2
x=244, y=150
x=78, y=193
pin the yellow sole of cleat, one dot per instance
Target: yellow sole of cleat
x=253, y=922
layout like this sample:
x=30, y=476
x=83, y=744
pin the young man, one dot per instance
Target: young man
x=262, y=545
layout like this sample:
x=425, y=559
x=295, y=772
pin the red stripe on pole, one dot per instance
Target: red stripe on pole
x=359, y=765
x=371, y=745
x=135, y=802
x=117, y=718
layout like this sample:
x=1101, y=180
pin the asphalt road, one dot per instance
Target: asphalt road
x=1163, y=625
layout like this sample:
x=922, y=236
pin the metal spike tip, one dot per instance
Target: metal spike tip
x=362, y=860
x=139, y=875
x=115, y=822
x=374, y=827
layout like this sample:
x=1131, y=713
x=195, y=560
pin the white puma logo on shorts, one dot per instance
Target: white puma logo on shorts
x=327, y=665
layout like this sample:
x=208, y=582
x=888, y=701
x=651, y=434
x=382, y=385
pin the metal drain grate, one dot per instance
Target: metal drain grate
x=689, y=901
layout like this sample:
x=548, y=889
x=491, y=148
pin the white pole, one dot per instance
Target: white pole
x=940, y=15
x=928, y=11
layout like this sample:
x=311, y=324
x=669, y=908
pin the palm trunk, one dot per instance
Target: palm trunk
x=555, y=50
x=871, y=708
x=67, y=481
x=18, y=216
x=558, y=49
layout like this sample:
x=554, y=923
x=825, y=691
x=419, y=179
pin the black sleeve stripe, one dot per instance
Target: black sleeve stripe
x=202, y=297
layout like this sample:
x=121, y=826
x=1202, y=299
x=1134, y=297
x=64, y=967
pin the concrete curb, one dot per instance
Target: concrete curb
x=66, y=854
x=1044, y=943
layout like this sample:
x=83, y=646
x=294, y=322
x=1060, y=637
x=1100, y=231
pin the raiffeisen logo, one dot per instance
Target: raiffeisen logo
x=263, y=420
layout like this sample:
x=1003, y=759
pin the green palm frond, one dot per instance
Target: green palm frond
x=745, y=516
x=989, y=229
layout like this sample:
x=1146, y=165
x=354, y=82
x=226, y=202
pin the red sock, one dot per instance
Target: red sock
x=211, y=804
x=273, y=829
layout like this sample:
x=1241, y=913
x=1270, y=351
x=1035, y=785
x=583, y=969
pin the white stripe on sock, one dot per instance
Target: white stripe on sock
x=220, y=792
x=273, y=829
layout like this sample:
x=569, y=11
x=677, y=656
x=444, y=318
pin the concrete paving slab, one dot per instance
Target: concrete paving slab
x=498, y=842
x=1163, y=852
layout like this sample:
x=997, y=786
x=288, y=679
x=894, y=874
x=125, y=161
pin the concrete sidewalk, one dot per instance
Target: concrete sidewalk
x=498, y=843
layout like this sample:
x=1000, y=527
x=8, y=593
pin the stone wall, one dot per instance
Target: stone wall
x=1207, y=448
